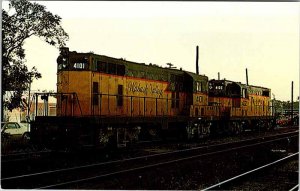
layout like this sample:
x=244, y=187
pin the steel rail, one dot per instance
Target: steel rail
x=24, y=153
x=217, y=186
x=4, y=157
x=151, y=165
x=149, y=156
x=294, y=188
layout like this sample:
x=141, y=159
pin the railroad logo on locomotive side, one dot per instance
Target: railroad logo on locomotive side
x=148, y=88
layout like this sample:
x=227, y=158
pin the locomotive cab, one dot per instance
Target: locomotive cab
x=226, y=88
x=197, y=94
x=72, y=60
x=217, y=88
x=233, y=90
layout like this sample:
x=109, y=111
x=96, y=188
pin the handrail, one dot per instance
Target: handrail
x=133, y=105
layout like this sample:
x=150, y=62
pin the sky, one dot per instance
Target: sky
x=232, y=36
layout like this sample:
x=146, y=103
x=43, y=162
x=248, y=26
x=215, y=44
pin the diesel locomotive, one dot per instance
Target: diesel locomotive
x=102, y=100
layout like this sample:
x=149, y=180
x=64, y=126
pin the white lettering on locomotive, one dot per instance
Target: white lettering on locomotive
x=79, y=65
x=136, y=87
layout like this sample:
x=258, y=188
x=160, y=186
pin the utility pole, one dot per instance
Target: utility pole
x=292, y=104
x=273, y=106
x=28, y=102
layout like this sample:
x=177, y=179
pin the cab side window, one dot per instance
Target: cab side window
x=101, y=66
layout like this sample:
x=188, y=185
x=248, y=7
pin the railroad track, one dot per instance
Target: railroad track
x=34, y=153
x=21, y=156
x=262, y=173
x=80, y=175
x=35, y=161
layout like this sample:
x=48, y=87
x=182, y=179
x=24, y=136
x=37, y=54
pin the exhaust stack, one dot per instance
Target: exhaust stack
x=247, y=77
x=197, y=56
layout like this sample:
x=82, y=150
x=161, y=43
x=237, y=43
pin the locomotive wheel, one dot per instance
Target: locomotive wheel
x=239, y=128
x=236, y=127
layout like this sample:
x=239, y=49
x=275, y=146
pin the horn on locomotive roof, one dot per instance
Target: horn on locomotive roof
x=171, y=65
x=247, y=76
x=197, y=56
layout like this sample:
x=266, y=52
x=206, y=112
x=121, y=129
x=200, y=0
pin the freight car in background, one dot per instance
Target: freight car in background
x=103, y=100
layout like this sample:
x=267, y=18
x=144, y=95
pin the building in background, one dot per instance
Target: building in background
x=20, y=114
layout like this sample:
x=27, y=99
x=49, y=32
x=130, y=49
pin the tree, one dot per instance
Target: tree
x=22, y=20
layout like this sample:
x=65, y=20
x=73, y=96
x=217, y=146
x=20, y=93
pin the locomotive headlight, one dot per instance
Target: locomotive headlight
x=64, y=62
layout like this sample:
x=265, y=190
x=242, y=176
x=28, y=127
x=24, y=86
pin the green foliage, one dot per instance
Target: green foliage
x=285, y=105
x=23, y=20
